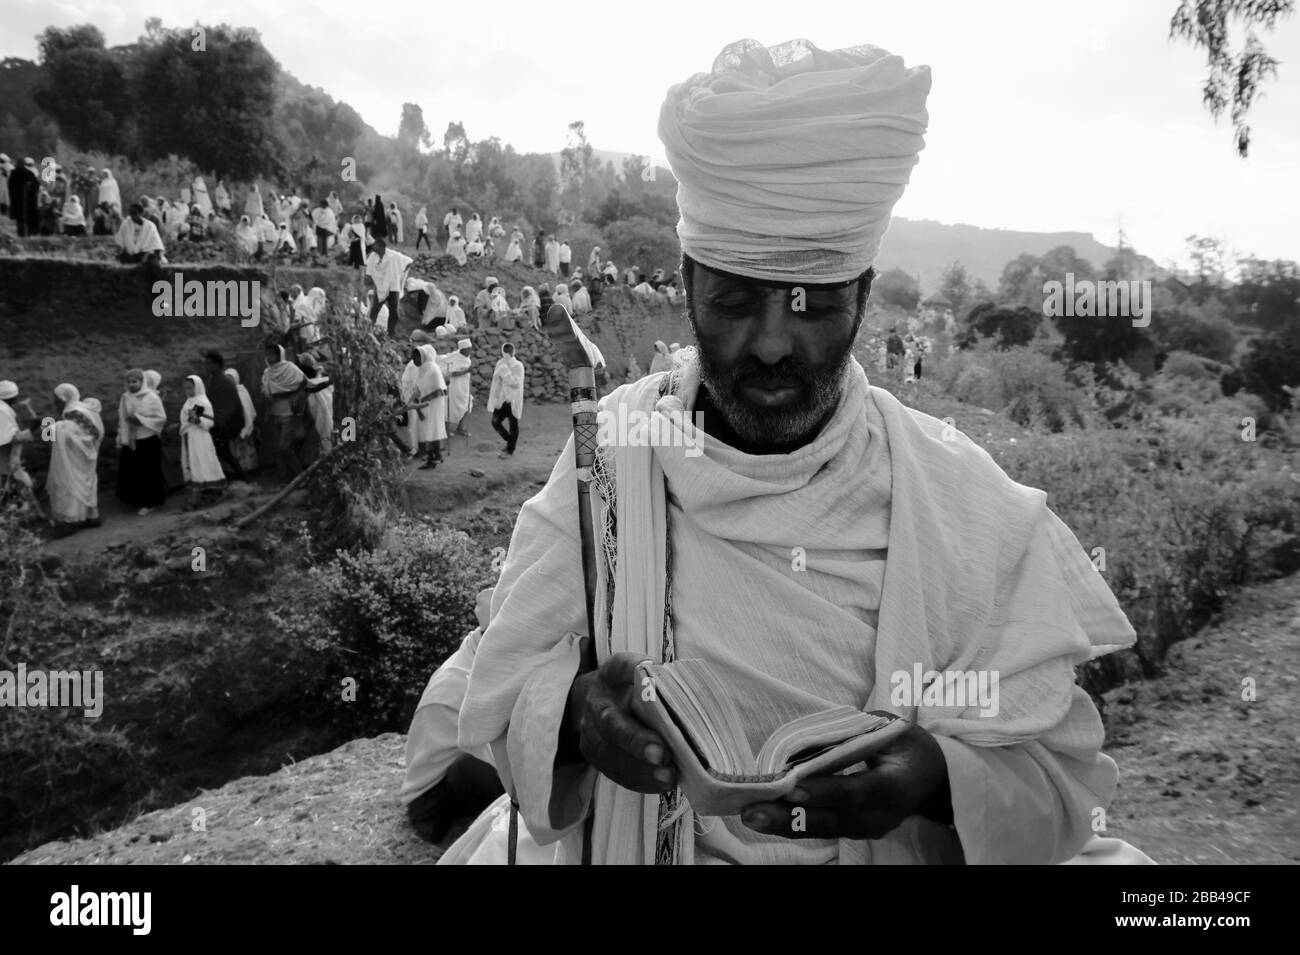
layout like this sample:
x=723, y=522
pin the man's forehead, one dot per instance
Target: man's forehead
x=718, y=277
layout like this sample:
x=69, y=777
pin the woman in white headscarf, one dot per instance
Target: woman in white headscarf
x=243, y=447
x=246, y=236
x=73, y=479
x=513, y=252
x=221, y=196
x=253, y=207
x=109, y=192
x=593, y=261
x=506, y=398
x=199, y=463
x=284, y=240
x=531, y=306
x=499, y=305
x=423, y=385
x=455, y=314
x=456, y=248
x=354, y=235
x=267, y=233
x=73, y=219
x=140, y=422
x=285, y=384
x=473, y=228
x=581, y=298
x=562, y=296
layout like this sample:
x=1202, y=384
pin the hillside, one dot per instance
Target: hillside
x=924, y=247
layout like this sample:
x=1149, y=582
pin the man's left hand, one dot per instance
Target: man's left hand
x=907, y=777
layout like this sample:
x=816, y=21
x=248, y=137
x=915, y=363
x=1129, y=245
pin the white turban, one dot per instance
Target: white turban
x=789, y=159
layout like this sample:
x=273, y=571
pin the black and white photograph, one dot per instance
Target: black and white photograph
x=679, y=434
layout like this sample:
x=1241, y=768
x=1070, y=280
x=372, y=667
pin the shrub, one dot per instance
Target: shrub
x=1024, y=383
x=387, y=618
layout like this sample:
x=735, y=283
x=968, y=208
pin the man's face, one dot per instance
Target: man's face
x=137, y=216
x=772, y=358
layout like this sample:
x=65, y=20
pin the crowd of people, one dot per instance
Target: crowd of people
x=219, y=429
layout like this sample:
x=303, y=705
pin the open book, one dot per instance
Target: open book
x=717, y=769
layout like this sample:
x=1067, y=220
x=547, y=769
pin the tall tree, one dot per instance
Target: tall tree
x=228, y=94
x=455, y=144
x=413, y=132
x=955, y=286
x=83, y=87
x=1234, y=79
x=577, y=160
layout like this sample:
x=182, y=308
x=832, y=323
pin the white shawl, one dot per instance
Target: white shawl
x=979, y=575
x=507, y=385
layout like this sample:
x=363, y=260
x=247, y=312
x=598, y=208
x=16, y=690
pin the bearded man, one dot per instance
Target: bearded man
x=827, y=541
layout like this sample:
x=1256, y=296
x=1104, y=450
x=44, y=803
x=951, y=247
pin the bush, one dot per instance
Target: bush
x=388, y=618
x=1024, y=383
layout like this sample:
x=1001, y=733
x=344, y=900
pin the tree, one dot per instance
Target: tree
x=897, y=288
x=1235, y=79
x=1268, y=294
x=1272, y=366
x=577, y=160
x=642, y=242
x=1008, y=327
x=455, y=144
x=83, y=87
x=228, y=123
x=955, y=286
x=1196, y=331
x=413, y=132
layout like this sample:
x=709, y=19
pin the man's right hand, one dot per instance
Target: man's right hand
x=608, y=736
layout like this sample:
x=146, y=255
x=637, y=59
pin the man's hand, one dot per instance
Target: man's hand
x=907, y=777
x=609, y=736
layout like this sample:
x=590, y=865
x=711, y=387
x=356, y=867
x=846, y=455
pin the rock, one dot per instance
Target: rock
x=475, y=472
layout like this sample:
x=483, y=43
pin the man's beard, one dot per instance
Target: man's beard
x=820, y=388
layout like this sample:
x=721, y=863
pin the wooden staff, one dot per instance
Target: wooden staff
x=558, y=328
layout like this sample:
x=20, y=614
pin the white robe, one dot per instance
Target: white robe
x=460, y=398
x=199, y=463
x=945, y=562
x=201, y=197
x=133, y=239
x=507, y=386
x=418, y=381
x=110, y=192
x=321, y=405
x=73, y=479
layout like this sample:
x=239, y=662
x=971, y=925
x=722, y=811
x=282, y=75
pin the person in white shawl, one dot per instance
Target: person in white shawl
x=109, y=192
x=531, y=306
x=918, y=552
x=581, y=298
x=241, y=446
x=320, y=401
x=253, y=206
x=141, y=419
x=199, y=463
x=73, y=481
x=456, y=369
x=456, y=248
x=73, y=218
x=506, y=398
x=424, y=390
x=138, y=240
x=455, y=314
x=284, y=241
x=246, y=237
x=513, y=252
x=14, y=436
x=283, y=382
x=268, y=233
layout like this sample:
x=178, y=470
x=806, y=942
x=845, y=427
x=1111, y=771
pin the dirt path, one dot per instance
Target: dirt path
x=1206, y=777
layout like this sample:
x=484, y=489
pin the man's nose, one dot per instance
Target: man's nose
x=773, y=337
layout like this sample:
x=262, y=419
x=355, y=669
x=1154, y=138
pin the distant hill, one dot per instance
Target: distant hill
x=926, y=248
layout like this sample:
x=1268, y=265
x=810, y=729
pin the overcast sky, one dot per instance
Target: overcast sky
x=1045, y=115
